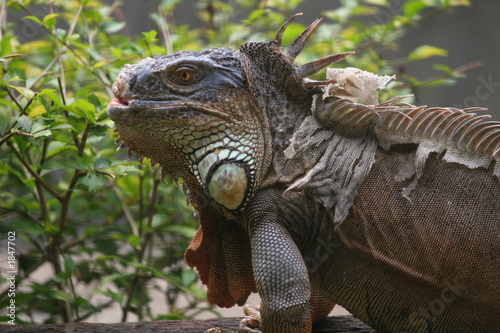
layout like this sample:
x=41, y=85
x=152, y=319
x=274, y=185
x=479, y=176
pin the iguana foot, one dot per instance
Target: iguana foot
x=249, y=324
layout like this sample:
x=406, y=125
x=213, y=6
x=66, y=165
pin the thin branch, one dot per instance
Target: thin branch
x=47, y=68
x=83, y=140
x=9, y=132
x=3, y=17
x=91, y=37
x=62, y=91
x=14, y=99
x=101, y=307
x=73, y=292
x=35, y=174
x=110, y=175
x=145, y=244
x=130, y=293
x=40, y=197
x=126, y=211
x=23, y=213
x=15, y=55
x=28, y=135
x=111, y=9
x=55, y=259
x=152, y=204
x=65, y=43
x=165, y=31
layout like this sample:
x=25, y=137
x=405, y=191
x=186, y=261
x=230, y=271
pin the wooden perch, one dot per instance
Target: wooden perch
x=335, y=324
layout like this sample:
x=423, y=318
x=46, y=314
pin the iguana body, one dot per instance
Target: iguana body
x=392, y=211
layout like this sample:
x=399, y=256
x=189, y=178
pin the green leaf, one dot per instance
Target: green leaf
x=83, y=108
x=52, y=94
x=255, y=15
x=426, y=51
x=85, y=305
x=92, y=98
x=413, y=8
x=38, y=110
x=39, y=128
x=27, y=93
x=69, y=266
x=58, y=294
x=101, y=163
x=134, y=240
x=150, y=36
x=8, y=103
x=188, y=277
x=93, y=181
x=4, y=168
x=25, y=123
x=292, y=31
x=98, y=130
x=51, y=229
x=444, y=68
x=69, y=160
x=6, y=45
x=42, y=133
x=34, y=19
x=5, y=121
x=169, y=5
x=113, y=26
x=118, y=297
x=383, y=3
x=50, y=20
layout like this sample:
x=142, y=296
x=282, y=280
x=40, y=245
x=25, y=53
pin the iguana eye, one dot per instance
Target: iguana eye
x=185, y=75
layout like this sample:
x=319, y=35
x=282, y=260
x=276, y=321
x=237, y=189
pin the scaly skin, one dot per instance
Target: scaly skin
x=391, y=210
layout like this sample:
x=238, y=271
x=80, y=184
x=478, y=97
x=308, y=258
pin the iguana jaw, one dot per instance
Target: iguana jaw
x=193, y=141
x=123, y=110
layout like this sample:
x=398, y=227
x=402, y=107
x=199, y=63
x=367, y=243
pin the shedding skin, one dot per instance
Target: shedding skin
x=310, y=198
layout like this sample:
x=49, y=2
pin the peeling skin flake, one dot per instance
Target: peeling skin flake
x=355, y=83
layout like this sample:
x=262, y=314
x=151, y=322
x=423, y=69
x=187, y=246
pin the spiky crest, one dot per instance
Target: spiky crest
x=452, y=127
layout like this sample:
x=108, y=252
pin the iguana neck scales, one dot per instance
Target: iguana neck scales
x=312, y=192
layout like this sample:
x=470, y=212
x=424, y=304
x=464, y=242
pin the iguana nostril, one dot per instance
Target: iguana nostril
x=118, y=86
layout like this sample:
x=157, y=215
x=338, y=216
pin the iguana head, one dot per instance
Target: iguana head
x=215, y=117
x=191, y=112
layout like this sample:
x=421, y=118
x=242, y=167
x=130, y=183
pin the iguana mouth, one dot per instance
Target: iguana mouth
x=118, y=102
x=119, y=109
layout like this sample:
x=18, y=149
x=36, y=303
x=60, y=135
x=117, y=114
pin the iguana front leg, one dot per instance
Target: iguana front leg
x=281, y=276
x=276, y=227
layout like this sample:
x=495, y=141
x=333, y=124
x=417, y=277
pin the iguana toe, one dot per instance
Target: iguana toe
x=251, y=323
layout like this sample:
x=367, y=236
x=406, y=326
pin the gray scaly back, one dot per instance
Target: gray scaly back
x=310, y=137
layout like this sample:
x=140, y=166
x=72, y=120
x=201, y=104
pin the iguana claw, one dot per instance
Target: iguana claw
x=249, y=324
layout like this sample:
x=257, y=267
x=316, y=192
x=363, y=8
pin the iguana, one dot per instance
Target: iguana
x=311, y=196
